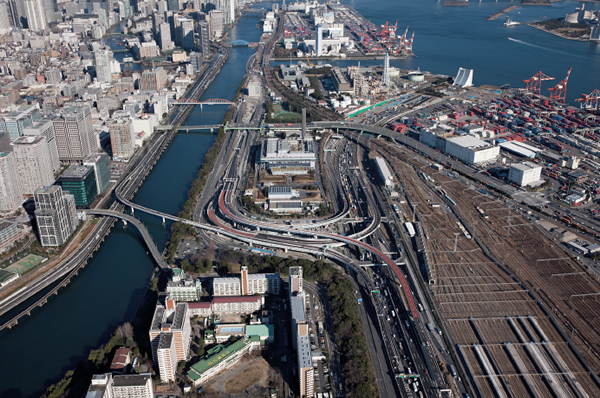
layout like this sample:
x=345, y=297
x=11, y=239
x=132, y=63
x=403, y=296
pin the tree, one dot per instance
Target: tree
x=200, y=351
x=125, y=331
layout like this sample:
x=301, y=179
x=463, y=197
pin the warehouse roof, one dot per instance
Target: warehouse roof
x=214, y=356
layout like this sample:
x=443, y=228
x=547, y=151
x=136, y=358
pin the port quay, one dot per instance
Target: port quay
x=464, y=213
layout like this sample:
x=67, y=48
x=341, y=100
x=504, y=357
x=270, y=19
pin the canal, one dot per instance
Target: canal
x=108, y=292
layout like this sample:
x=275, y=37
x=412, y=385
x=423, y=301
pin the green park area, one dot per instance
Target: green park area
x=26, y=263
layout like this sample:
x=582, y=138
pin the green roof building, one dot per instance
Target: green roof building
x=264, y=333
x=219, y=358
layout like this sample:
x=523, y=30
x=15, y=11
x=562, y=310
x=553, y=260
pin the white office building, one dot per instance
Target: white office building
x=74, y=133
x=102, y=65
x=10, y=186
x=55, y=215
x=34, y=166
x=319, y=41
x=45, y=128
x=36, y=17
x=525, y=173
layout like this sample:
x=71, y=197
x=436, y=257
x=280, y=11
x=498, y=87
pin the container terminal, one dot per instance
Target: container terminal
x=338, y=31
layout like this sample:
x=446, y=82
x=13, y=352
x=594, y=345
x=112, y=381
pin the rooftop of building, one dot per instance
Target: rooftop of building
x=94, y=157
x=199, y=304
x=525, y=166
x=166, y=340
x=29, y=140
x=263, y=276
x=6, y=224
x=226, y=280
x=297, y=306
x=470, y=142
x=280, y=190
x=236, y=299
x=131, y=380
x=260, y=330
x=76, y=172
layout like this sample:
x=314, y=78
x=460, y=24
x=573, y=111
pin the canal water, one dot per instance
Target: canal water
x=109, y=290
x=447, y=38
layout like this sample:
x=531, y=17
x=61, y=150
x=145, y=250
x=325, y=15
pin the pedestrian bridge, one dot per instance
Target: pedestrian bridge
x=156, y=254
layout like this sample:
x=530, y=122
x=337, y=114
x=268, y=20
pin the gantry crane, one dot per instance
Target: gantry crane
x=589, y=101
x=534, y=84
x=558, y=93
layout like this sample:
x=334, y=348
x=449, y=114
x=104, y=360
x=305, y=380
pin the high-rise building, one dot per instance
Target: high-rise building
x=6, y=24
x=196, y=61
x=49, y=10
x=153, y=80
x=74, y=133
x=100, y=163
x=80, y=181
x=122, y=139
x=385, y=80
x=182, y=288
x=172, y=318
x=173, y=5
x=305, y=367
x=162, y=7
x=36, y=16
x=34, y=166
x=55, y=215
x=187, y=33
x=166, y=357
x=295, y=281
x=165, y=37
x=10, y=187
x=216, y=24
x=102, y=65
x=14, y=123
x=319, y=41
x=5, y=142
x=204, y=33
x=45, y=128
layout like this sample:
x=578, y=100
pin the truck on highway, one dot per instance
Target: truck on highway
x=453, y=371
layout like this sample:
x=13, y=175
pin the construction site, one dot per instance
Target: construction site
x=520, y=311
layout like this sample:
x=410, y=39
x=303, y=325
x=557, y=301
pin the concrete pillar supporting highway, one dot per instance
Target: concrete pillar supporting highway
x=124, y=223
x=163, y=219
x=132, y=210
x=258, y=228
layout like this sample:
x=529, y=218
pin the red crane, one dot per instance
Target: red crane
x=589, y=101
x=534, y=84
x=559, y=92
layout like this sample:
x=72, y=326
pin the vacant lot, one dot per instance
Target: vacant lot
x=244, y=380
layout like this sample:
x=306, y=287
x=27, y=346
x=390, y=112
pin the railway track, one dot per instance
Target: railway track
x=470, y=284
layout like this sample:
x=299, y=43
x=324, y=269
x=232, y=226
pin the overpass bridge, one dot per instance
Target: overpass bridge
x=212, y=127
x=189, y=101
x=156, y=254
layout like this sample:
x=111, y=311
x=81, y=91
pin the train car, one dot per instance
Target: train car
x=410, y=229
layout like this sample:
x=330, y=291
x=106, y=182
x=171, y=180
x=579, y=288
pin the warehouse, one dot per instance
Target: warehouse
x=512, y=147
x=471, y=150
x=524, y=174
x=384, y=172
x=286, y=206
x=279, y=193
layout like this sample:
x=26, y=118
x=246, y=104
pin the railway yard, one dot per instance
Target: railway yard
x=498, y=286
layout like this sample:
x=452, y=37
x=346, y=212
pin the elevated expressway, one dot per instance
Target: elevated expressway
x=61, y=274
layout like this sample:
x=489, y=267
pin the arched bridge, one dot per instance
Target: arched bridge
x=239, y=43
x=214, y=101
x=156, y=254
